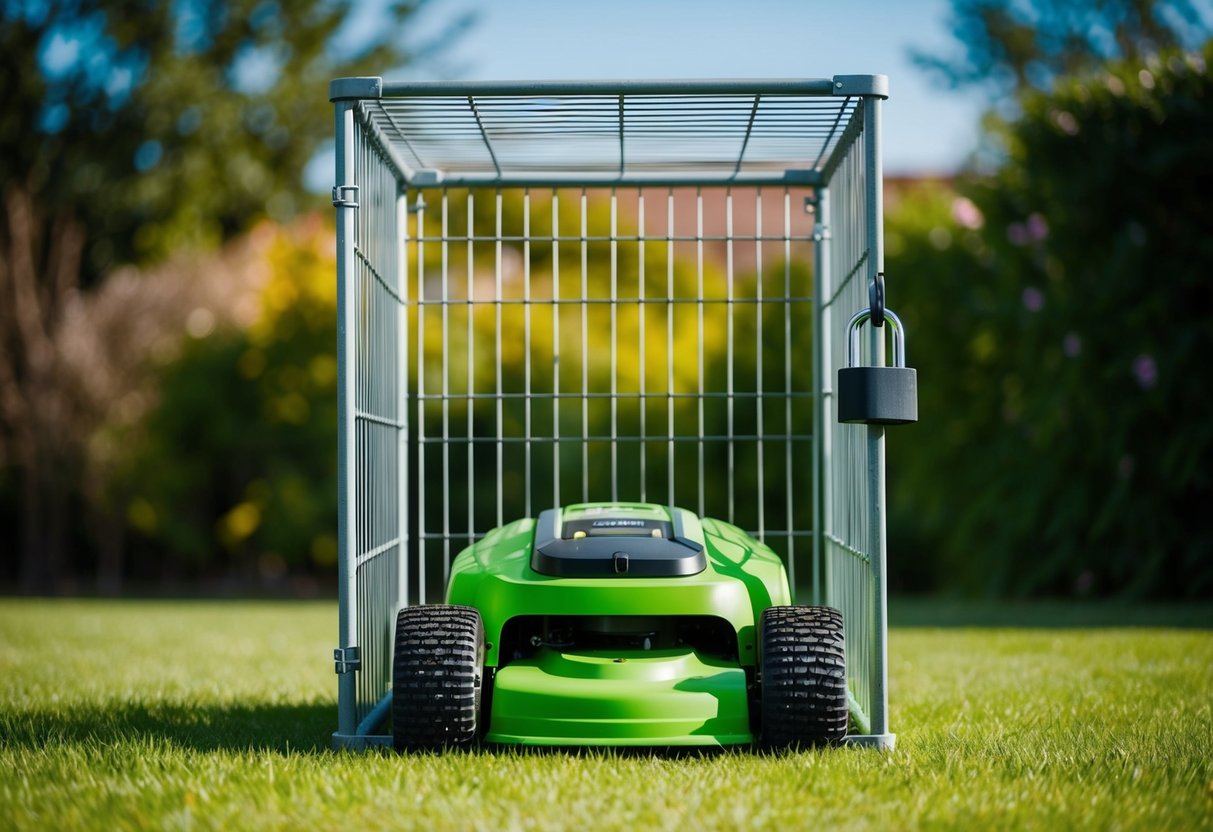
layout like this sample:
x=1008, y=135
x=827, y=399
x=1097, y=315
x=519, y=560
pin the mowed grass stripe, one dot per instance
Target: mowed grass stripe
x=209, y=715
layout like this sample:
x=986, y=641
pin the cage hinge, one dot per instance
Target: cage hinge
x=821, y=232
x=347, y=659
x=345, y=196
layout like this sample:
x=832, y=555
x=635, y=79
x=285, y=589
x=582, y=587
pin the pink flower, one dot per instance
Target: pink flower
x=1037, y=227
x=1065, y=122
x=1145, y=370
x=966, y=214
x=1033, y=299
x=1071, y=345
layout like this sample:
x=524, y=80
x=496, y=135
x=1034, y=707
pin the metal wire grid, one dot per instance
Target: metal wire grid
x=373, y=327
x=847, y=259
x=595, y=352
x=497, y=410
x=492, y=138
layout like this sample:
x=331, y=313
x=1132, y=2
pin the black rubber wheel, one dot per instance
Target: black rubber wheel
x=437, y=676
x=804, y=676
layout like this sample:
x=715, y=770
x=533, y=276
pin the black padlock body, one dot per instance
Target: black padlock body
x=877, y=395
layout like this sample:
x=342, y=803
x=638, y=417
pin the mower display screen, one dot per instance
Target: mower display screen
x=616, y=527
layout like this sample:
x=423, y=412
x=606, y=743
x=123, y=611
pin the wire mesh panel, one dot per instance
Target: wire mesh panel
x=626, y=344
x=554, y=293
x=851, y=460
x=372, y=420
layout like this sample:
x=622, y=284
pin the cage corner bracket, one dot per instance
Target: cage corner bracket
x=347, y=659
x=875, y=85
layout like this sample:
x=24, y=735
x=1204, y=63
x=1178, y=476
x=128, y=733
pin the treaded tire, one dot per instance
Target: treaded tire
x=437, y=676
x=804, y=676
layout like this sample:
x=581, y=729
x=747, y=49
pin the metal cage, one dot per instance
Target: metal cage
x=556, y=292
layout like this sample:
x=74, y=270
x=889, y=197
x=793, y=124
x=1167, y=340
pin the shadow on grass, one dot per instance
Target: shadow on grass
x=937, y=612
x=297, y=729
x=293, y=729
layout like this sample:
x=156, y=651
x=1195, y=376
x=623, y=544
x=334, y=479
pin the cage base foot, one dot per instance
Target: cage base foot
x=360, y=742
x=883, y=742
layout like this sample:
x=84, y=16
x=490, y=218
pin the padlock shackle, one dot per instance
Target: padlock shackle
x=899, y=336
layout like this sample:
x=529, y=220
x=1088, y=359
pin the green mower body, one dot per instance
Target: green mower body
x=603, y=624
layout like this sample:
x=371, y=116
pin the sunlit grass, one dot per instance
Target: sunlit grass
x=217, y=715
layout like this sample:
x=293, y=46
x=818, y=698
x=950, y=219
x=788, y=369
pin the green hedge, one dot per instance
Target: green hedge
x=1059, y=314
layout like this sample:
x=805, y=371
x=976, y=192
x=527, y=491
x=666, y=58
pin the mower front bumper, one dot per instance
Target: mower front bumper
x=654, y=697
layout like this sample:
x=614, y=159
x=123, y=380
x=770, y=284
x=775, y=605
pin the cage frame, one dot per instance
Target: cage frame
x=845, y=176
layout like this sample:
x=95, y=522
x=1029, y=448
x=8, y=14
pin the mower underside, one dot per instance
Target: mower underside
x=674, y=697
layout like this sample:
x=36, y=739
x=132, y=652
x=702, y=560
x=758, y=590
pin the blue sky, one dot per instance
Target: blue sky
x=928, y=128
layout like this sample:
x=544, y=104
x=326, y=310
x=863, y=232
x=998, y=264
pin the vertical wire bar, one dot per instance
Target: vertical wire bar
x=402, y=390
x=347, y=442
x=585, y=362
x=500, y=399
x=526, y=339
x=699, y=333
x=728, y=259
x=789, y=505
x=446, y=392
x=669, y=336
x=471, y=358
x=873, y=176
x=641, y=363
x=555, y=349
x=758, y=350
x=422, y=543
x=614, y=346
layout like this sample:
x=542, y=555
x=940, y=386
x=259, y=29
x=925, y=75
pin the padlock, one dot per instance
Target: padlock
x=877, y=395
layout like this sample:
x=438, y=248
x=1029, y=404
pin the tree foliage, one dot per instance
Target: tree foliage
x=1059, y=310
x=129, y=130
x=167, y=125
x=1023, y=46
x=234, y=469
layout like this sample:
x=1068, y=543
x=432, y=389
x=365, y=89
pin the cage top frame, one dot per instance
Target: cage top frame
x=743, y=132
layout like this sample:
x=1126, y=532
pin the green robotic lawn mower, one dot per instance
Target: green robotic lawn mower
x=618, y=624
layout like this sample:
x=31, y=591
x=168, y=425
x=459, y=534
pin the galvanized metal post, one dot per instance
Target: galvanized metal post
x=878, y=548
x=347, y=483
x=402, y=390
x=822, y=423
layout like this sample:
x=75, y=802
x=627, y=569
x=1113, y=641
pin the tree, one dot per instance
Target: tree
x=1020, y=47
x=1058, y=311
x=129, y=130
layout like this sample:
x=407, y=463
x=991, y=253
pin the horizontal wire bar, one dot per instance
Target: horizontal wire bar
x=846, y=280
x=620, y=238
x=438, y=536
x=370, y=267
x=682, y=89
x=572, y=175
x=847, y=547
x=607, y=439
x=379, y=420
x=575, y=301
x=771, y=394
x=368, y=556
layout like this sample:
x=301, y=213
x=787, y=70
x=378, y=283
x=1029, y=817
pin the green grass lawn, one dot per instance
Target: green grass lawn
x=176, y=715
